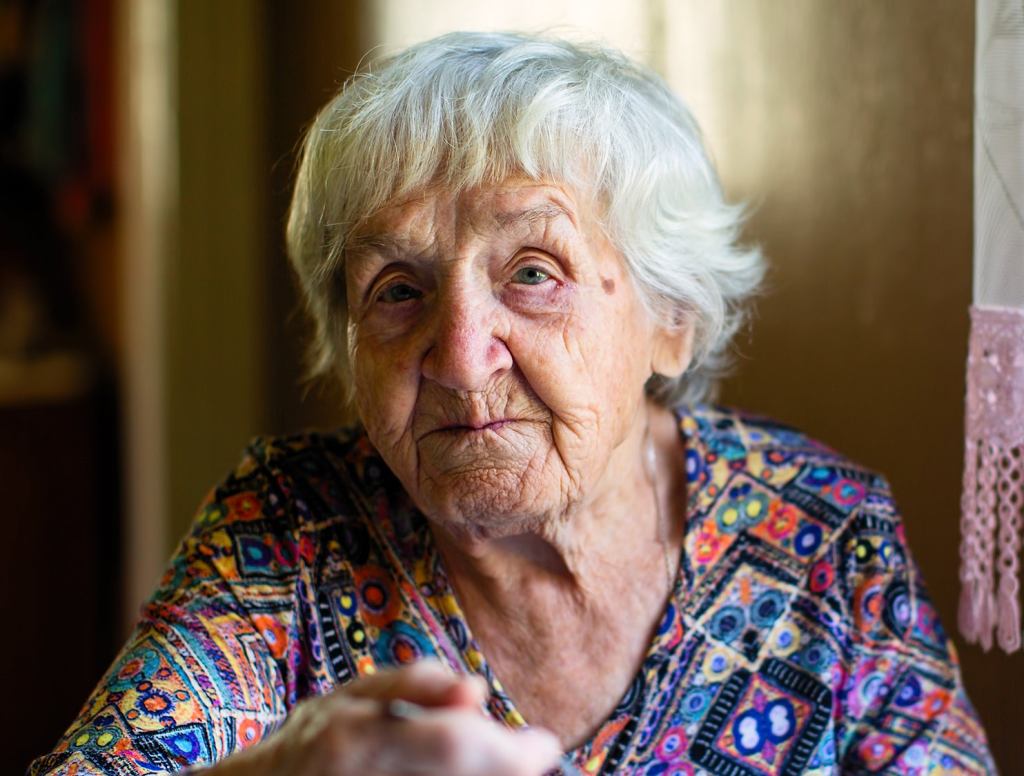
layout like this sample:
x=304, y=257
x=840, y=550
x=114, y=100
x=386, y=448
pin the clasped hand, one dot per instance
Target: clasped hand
x=352, y=731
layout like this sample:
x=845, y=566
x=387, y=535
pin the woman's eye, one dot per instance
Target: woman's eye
x=399, y=292
x=530, y=276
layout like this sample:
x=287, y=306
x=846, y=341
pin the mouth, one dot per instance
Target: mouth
x=470, y=429
x=473, y=428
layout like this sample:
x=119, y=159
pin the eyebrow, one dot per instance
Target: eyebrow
x=382, y=243
x=387, y=244
x=549, y=211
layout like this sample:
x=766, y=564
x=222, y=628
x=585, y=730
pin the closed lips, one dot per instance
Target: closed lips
x=493, y=425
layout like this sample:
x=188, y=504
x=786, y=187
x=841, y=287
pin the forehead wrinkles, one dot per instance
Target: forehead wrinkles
x=440, y=226
x=414, y=225
x=446, y=226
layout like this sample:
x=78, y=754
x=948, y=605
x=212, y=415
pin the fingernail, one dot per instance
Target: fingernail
x=430, y=665
x=480, y=685
x=542, y=738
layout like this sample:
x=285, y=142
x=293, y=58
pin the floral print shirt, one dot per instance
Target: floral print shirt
x=798, y=637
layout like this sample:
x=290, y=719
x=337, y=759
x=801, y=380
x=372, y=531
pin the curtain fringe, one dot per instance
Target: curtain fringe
x=992, y=503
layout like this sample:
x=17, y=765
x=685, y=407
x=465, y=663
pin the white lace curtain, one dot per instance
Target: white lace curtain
x=993, y=494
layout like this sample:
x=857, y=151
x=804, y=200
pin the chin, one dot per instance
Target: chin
x=487, y=504
x=491, y=483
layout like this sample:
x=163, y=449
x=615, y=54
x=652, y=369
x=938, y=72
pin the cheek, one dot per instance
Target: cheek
x=386, y=384
x=599, y=353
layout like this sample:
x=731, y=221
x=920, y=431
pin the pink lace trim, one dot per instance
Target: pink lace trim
x=992, y=506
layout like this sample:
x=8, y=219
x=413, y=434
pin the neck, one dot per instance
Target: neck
x=565, y=615
x=628, y=534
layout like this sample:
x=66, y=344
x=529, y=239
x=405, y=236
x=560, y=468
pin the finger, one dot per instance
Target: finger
x=469, y=692
x=457, y=742
x=427, y=683
x=533, y=751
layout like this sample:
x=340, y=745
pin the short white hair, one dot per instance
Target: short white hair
x=466, y=109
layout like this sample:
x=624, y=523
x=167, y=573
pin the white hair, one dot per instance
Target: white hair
x=465, y=109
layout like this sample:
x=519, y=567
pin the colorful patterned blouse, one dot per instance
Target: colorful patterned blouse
x=798, y=639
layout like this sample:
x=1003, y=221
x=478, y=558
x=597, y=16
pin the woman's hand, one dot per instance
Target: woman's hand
x=352, y=731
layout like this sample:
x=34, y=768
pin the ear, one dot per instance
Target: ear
x=673, y=350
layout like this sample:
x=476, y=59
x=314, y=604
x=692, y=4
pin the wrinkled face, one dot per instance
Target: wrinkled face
x=500, y=352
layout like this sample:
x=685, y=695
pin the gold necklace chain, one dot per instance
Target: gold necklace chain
x=663, y=529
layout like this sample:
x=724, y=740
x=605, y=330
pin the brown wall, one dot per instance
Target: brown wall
x=312, y=47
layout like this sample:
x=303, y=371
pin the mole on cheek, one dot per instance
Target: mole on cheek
x=608, y=285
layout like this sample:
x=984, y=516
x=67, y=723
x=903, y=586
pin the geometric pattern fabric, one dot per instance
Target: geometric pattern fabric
x=798, y=637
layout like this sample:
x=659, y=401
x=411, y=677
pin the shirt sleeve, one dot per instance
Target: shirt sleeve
x=902, y=702
x=201, y=675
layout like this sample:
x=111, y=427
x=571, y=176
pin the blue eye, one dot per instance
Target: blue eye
x=399, y=292
x=530, y=276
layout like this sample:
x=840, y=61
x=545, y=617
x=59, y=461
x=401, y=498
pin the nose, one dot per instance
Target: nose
x=465, y=352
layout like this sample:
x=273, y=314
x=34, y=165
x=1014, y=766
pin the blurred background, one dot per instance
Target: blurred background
x=149, y=325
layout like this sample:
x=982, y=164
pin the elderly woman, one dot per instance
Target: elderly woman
x=519, y=260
